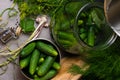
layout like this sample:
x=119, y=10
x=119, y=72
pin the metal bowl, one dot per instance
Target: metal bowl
x=25, y=71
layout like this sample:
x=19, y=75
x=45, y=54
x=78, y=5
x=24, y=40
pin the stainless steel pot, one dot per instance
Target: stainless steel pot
x=24, y=71
x=112, y=13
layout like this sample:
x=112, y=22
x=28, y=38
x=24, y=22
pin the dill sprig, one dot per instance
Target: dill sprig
x=75, y=69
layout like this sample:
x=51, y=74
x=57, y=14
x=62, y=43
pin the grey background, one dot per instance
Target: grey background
x=13, y=71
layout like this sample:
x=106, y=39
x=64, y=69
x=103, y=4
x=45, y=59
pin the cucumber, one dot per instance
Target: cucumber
x=65, y=36
x=80, y=22
x=50, y=46
x=24, y=62
x=41, y=60
x=51, y=73
x=83, y=35
x=36, y=78
x=34, y=61
x=65, y=43
x=27, y=49
x=44, y=47
x=91, y=37
x=56, y=65
x=46, y=65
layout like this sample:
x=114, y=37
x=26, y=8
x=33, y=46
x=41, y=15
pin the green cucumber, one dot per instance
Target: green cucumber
x=36, y=77
x=41, y=60
x=27, y=49
x=56, y=65
x=65, y=43
x=51, y=73
x=80, y=22
x=34, y=61
x=46, y=65
x=91, y=37
x=65, y=36
x=83, y=35
x=44, y=47
x=24, y=62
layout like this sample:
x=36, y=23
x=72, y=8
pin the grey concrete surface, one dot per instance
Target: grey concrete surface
x=13, y=71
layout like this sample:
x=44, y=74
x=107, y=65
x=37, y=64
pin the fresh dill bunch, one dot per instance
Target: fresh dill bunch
x=105, y=64
x=30, y=8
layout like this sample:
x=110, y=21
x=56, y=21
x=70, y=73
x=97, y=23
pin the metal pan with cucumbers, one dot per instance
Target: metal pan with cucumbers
x=39, y=59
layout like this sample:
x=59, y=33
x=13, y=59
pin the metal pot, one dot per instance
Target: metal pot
x=112, y=13
x=25, y=71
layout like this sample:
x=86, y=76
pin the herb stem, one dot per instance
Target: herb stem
x=57, y=8
x=7, y=9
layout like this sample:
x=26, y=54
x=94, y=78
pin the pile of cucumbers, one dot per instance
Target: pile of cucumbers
x=90, y=26
x=62, y=32
x=40, y=60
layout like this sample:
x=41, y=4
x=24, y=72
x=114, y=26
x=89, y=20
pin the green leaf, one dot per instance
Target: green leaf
x=98, y=17
x=27, y=25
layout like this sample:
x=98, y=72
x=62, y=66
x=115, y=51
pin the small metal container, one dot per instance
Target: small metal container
x=26, y=72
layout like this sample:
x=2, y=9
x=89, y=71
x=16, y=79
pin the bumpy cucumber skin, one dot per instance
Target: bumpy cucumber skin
x=34, y=61
x=27, y=49
x=46, y=65
x=65, y=43
x=24, y=62
x=46, y=48
x=48, y=76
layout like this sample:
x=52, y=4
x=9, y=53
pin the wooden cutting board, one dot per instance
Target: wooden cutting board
x=66, y=63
